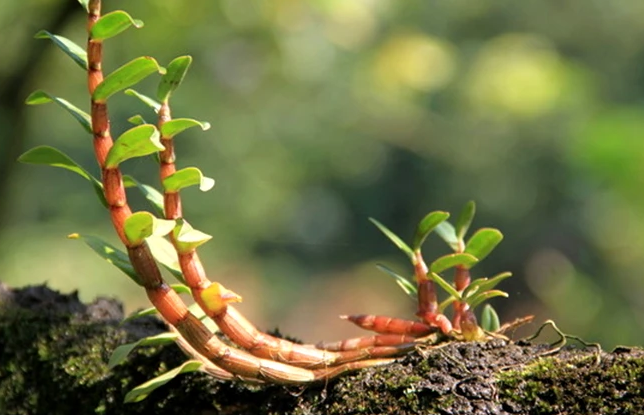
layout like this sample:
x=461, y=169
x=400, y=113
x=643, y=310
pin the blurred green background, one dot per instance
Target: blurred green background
x=327, y=112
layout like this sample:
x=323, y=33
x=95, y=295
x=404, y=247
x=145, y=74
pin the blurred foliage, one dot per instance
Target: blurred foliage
x=326, y=112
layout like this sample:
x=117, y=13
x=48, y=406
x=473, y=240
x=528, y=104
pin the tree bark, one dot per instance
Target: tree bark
x=54, y=352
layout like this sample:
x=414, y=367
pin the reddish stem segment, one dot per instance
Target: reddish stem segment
x=195, y=337
x=461, y=281
x=389, y=325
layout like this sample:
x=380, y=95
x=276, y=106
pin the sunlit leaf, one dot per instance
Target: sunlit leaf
x=166, y=255
x=176, y=72
x=142, y=391
x=41, y=97
x=426, y=226
x=452, y=260
x=187, y=238
x=109, y=253
x=477, y=299
x=84, y=3
x=141, y=225
x=464, y=219
x=121, y=352
x=490, y=319
x=407, y=286
x=178, y=125
x=447, y=233
x=483, y=242
x=394, y=238
x=190, y=176
x=445, y=285
x=138, y=141
x=50, y=156
x=70, y=48
x=111, y=24
x=126, y=76
x=484, y=284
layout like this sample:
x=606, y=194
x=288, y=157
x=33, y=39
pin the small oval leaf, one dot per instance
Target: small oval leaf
x=464, y=219
x=124, y=77
x=394, y=238
x=190, y=176
x=41, y=97
x=70, y=48
x=483, y=242
x=452, y=260
x=50, y=156
x=144, y=98
x=141, y=225
x=109, y=253
x=138, y=141
x=142, y=391
x=111, y=24
x=490, y=319
x=427, y=225
x=448, y=234
x=187, y=238
x=176, y=72
x=173, y=127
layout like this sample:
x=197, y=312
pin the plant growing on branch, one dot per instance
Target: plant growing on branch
x=163, y=237
x=464, y=294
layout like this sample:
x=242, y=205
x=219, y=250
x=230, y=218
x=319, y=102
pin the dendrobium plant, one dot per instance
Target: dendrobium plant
x=163, y=237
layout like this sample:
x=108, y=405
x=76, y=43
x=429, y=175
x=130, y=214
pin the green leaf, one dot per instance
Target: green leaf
x=41, y=97
x=452, y=260
x=189, y=176
x=142, y=391
x=137, y=120
x=490, y=319
x=121, y=352
x=50, y=156
x=484, y=284
x=483, y=242
x=151, y=311
x=445, y=285
x=173, y=127
x=427, y=225
x=407, y=286
x=138, y=141
x=187, y=238
x=166, y=255
x=151, y=194
x=175, y=74
x=465, y=219
x=124, y=77
x=477, y=299
x=111, y=24
x=111, y=254
x=70, y=48
x=447, y=232
x=394, y=238
x=150, y=102
x=141, y=225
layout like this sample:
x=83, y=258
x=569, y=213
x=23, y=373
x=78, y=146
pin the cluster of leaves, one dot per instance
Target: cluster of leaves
x=142, y=140
x=466, y=254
